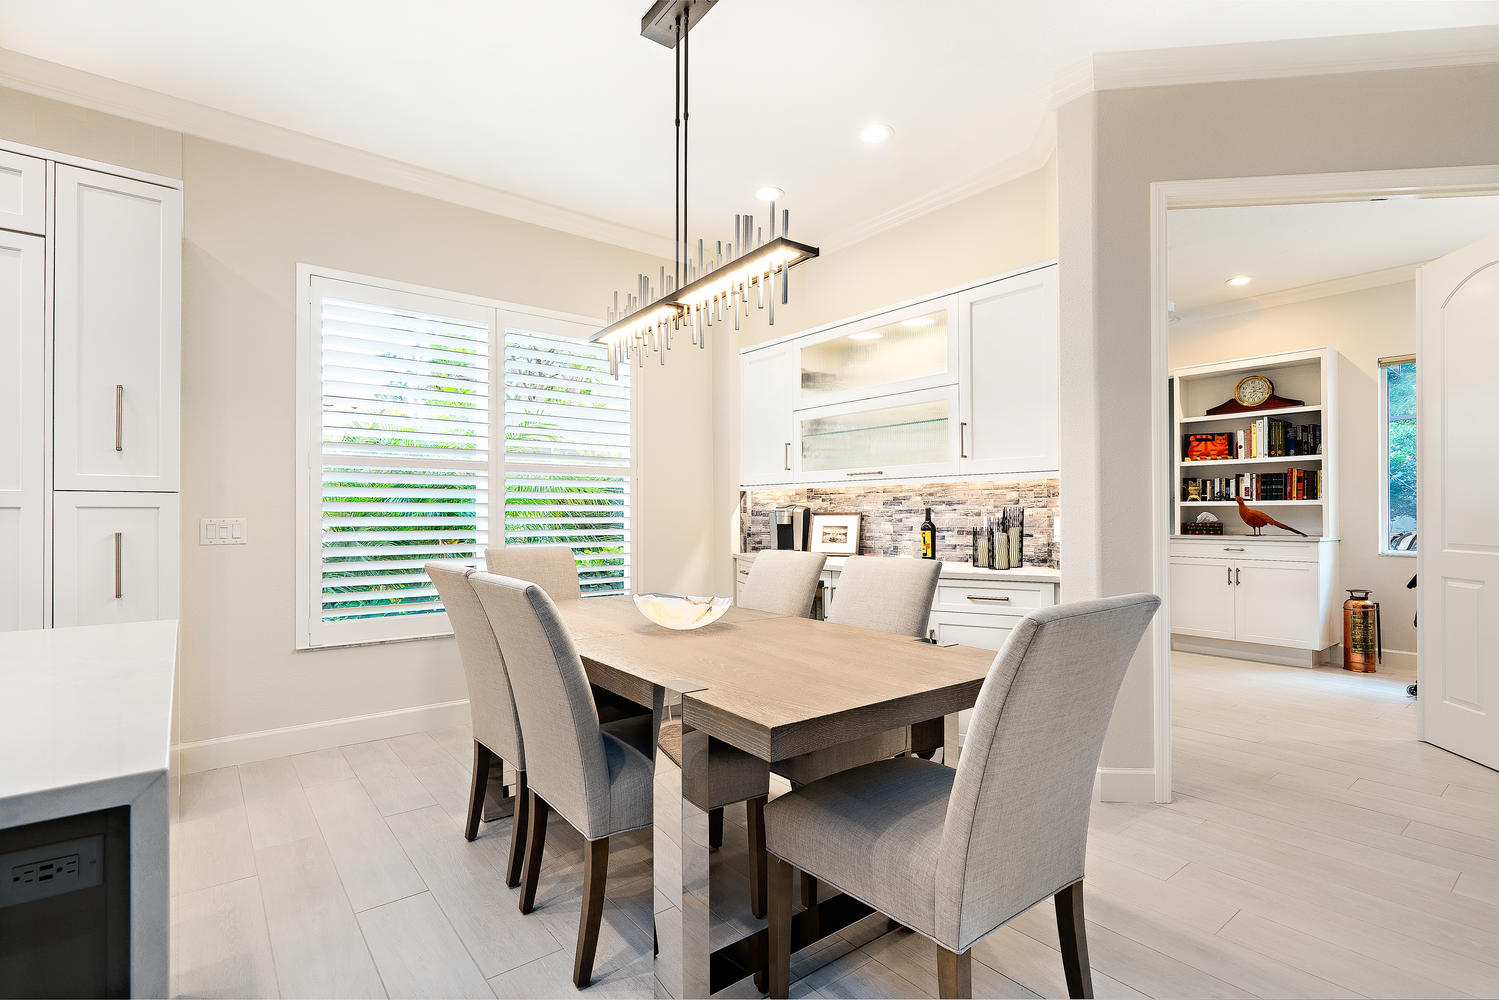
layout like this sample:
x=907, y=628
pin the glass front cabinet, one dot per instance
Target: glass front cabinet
x=915, y=347
x=897, y=436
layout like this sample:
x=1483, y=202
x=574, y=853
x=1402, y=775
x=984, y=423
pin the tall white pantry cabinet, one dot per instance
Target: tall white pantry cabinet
x=90, y=386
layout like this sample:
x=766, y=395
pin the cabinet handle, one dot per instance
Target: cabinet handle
x=1230, y=571
x=962, y=439
x=788, y=456
x=988, y=597
x=1231, y=548
x=119, y=586
x=871, y=472
x=119, y=420
x=1236, y=576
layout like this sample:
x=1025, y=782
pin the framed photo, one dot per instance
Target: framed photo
x=835, y=534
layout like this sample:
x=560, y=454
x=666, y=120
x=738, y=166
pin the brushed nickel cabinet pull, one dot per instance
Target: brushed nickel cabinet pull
x=1230, y=571
x=788, y=456
x=871, y=472
x=988, y=597
x=119, y=421
x=963, y=439
x=1236, y=576
x=1232, y=548
x=119, y=585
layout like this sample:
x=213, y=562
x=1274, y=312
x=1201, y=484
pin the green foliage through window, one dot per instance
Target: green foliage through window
x=1398, y=383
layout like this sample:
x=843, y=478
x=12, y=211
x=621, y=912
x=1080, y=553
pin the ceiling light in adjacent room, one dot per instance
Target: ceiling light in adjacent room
x=918, y=321
x=875, y=132
x=770, y=194
x=1238, y=280
x=867, y=335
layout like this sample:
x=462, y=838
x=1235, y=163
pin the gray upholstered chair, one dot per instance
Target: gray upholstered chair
x=553, y=568
x=497, y=735
x=783, y=582
x=954, y=854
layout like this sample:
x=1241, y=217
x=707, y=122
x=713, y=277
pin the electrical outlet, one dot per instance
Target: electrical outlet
x=221, y=531
x=51, y=870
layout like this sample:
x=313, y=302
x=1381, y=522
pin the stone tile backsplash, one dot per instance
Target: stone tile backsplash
x=893, y=515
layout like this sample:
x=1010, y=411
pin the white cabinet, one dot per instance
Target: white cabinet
x=909, y=434
x=912, y=347
x=22, y=437
x=23, y=192
x=115, y=557
x=117, y=332
x=1276, y=603
x=767, y=395
x=1269, y=599
x=1007, y=338
x=1202, y=598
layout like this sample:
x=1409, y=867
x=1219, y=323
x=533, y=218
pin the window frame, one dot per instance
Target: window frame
x=1383, y=476
x=311, y=632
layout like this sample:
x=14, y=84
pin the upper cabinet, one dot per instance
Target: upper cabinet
x=23, y=193
x=23, y=487
x=963, y=383
x=117, y=332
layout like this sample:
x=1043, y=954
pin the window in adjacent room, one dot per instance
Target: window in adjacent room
x=1397, y=421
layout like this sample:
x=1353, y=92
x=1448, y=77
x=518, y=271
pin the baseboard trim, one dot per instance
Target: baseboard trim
x=1125, y=784
x=246, y=748
x=1287, y=656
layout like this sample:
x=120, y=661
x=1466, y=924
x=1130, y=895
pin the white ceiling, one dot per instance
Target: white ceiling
x=1281, y=247
x=565, y=103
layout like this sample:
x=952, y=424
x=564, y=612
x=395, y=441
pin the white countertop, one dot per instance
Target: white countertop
x=963, y=571
x=86, y=716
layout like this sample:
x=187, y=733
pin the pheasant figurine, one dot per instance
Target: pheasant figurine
x=1257, y=519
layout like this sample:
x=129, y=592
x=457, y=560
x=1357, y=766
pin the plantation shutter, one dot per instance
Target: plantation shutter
x=403, y=470
x=568, y=454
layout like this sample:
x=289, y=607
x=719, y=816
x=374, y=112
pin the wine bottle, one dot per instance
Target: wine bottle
x=928, y=537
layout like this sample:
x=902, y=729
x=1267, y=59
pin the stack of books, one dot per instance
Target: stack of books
x=1293, y=484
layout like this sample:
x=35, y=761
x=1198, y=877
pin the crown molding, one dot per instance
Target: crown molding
x=73, y=86
x=1305, y=293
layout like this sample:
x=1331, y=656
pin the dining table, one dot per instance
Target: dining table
x=775, y=687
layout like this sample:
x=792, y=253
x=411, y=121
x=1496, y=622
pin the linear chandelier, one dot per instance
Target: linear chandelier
x=707, y=290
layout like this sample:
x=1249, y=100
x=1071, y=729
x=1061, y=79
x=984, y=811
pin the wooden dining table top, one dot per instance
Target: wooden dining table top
x=775, y=686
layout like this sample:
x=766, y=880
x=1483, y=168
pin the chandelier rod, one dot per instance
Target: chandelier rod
x=686, y=114
x=676, y=166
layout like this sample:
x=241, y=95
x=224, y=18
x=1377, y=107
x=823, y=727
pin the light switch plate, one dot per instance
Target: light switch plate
x=221, y=531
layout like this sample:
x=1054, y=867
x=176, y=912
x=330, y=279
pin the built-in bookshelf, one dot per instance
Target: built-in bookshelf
x=1282, y=458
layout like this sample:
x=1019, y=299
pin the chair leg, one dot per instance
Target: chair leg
x=595, y=874
x=536, y=838
x=1072, y=935
x=518, y=830
x=754, y=813
x=954, y=974
x=715, y=828
x=778, y=932
x=482, y=758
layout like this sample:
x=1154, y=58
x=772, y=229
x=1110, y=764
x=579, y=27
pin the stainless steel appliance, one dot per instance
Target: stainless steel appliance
x=792, y=524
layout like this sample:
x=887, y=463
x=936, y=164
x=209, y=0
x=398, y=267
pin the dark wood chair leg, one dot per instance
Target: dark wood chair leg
x=536, y=838
x=778, y=933
x=754, y=813
x=715, y=828
x=518, y=830
x=595, y=874
x=954, y=974
x=1072, y=935
x=482, y=758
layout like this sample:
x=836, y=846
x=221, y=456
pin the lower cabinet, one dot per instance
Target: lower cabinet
x=1268, y=594
x=115, y=557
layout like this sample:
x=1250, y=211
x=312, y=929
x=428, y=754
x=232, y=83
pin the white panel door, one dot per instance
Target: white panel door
x=768, y=383
x=1202, y=598
x=1008, y=340
x=1457, y=383
x=118, y=318
x=115, y=557
x=1276, y=603
x=23, y=193
x=22, y=441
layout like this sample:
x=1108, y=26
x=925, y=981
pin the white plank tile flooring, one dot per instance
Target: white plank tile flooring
x=1314, y=849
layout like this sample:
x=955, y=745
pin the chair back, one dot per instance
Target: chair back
x=783, y=582
x=892, y=594
x=491, y=704
x=1017, y=822
x=550, y=567
x=565, y=761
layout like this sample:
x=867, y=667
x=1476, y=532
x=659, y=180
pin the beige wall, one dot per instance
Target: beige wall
x=1362, y=327
x=1112, y=146
x=64, y=128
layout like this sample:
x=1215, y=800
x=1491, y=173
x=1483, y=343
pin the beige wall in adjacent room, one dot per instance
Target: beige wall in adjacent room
x=1112, y=146
x=1362, y=327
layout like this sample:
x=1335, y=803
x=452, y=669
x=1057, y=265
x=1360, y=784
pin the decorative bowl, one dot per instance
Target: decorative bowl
x=682, y=614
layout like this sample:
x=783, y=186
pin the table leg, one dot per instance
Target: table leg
x=683, y=862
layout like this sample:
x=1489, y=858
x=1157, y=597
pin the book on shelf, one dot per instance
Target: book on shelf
x=1266, y=437
x=1293, y=484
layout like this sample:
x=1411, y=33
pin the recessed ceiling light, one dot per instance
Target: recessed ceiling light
x=770, y=194
x=918, y=321
x=867, y=335
x=1238, y=280
x=875, y=132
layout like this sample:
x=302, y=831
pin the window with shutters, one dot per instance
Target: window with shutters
x=412, y=403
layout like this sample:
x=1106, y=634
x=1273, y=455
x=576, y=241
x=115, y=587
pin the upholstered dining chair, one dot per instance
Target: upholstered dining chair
x=553, y=568
x=783, y=582
x=953, y=854
x=497, y=734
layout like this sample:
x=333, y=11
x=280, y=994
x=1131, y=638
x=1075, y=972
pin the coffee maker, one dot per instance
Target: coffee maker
x=791, y=526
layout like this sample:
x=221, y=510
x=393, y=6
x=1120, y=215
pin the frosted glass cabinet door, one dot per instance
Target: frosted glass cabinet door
x=22, y=341
x=909, y=348
x=889, y=437
x=116, y=558
x=118, y=318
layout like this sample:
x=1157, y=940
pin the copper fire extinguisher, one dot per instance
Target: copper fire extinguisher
x=1363, y=643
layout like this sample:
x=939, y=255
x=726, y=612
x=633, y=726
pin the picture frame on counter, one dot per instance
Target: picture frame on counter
x=836, y=534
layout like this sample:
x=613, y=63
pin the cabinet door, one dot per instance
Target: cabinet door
x=118, y=319
x=23, y=193
x=1277, y=603
x=116, y=557
x=767, y=397
x=22, y=435
x=906, y=435
x=1202, y=598
x=914, y=347
x=1008, y=336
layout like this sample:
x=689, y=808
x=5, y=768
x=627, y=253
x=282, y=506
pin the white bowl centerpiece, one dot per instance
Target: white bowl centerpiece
x=682, y=614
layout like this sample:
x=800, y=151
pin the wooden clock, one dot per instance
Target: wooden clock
x=1253, y=392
